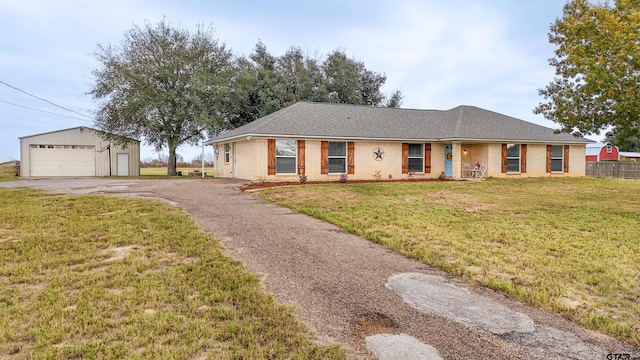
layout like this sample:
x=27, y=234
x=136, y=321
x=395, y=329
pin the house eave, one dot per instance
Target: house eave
x=515, y=141
x=245, y=137
x=249, y=136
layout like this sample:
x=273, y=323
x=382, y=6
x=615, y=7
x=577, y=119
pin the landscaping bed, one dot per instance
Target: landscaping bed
x=269, y=184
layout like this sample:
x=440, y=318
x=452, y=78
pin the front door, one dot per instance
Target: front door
x=447, y=161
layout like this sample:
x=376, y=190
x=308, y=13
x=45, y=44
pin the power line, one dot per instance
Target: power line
x=45, y=100
x=48, y=112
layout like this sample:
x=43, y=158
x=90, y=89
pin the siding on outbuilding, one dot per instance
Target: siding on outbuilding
x=81, y=148
x=629, y=156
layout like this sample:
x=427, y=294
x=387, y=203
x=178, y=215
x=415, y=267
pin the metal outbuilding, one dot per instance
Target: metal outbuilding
x=78, y=151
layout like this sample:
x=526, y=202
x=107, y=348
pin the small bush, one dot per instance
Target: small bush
x=377, y=175
x=344, y=178
x=303, y=179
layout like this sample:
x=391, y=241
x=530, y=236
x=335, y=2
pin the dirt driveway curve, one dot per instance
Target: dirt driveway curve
x=351, y=291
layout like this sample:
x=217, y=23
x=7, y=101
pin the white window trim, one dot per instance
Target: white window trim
x=519, y=157
x=609, y=149
x=561, y=157
x=283, y=156
x=227, y=153
x=346, y=150
x=417, y=157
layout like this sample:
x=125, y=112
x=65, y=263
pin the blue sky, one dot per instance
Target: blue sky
x=439, y=53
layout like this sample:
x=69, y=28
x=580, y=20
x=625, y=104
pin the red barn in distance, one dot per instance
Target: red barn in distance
x=602, y=152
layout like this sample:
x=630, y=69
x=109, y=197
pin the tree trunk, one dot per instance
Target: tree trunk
x=171, y=164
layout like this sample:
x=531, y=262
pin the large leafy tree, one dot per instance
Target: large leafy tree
x=301, y=76
x=243, y=102
x=264, y=83
x=349, y=81
x=256, y=89
x=597, y=63
x=162, y=84
x=624, y=142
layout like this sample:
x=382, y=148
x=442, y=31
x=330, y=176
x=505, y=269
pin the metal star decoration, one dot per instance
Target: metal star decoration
x=378, y=154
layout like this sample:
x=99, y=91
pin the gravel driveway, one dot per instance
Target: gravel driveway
x=374, y=302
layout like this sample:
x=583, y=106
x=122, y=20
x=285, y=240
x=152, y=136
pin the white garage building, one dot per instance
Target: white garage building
x=79, y=151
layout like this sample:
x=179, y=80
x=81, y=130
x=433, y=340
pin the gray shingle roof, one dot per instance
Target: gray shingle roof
x=324, y=120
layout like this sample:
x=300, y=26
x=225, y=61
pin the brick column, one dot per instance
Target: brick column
x=456, y=161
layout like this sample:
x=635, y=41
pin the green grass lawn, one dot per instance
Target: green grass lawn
x=567, y=245
x=162, y=171
x=105, y=277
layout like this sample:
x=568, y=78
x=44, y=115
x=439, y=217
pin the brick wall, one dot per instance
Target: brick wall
x=365, y=163
x=253, y=158
x=536, y=162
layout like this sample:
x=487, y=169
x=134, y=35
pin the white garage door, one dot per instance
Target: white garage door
x=62, y=160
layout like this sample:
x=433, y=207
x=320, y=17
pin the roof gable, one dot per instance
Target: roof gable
x=325, y=120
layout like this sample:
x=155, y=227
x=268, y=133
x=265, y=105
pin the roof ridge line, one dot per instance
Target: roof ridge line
x=366, y=106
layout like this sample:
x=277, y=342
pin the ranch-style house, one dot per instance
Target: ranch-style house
x=324, y=141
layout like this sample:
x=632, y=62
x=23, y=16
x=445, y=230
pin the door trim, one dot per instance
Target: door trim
x=448, y=160
x=235, y=160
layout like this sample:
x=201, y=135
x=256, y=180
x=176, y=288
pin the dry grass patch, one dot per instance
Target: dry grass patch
x=141, y=282
x=118, y=252
x=8, y=171
x=566, y=245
